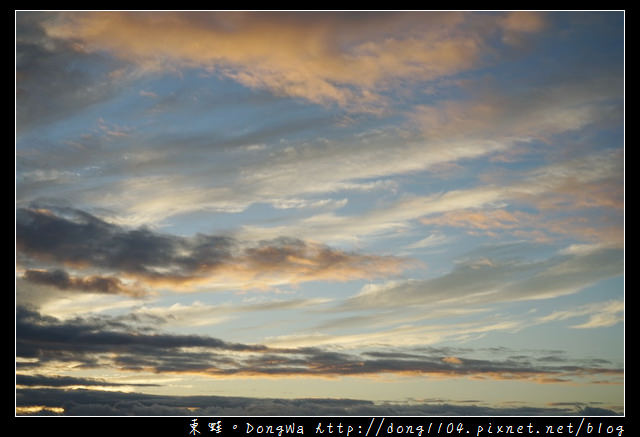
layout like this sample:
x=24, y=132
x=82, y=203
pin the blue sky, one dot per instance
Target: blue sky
x=410, y=209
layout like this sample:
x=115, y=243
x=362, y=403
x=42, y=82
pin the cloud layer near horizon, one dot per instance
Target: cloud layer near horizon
x=100, y=403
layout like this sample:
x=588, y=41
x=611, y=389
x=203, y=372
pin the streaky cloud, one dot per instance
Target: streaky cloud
x=69, y=381
x=100, y=403
x=329, y=58
x=483, y=280
x=87, y=341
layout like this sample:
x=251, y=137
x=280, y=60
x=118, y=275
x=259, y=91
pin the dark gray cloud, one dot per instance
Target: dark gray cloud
x=55, y=78
x=102, y=403
x=86, y=341
x=47, y=338
x=76, y=237
x=98, y=284
x=73, y=237
x=68, y=381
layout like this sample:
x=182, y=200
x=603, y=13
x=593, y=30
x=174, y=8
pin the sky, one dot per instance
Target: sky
x=340, y=213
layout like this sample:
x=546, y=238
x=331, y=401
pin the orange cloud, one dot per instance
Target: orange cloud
x=74, y=238
x=496, y=219
x=327, y=58
x=537, y=227
x=530, y=114
x=574, y=194
x=517, y=24
x=523, y=21
x=264, y=267
x=31, y=409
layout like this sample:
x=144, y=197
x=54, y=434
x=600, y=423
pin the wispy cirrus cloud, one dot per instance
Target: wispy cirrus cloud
x=524, y=207
x=601, y=314
x=535, y=112
x=202, y=314
x=484, y=280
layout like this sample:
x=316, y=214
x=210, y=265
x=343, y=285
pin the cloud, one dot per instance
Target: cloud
x=265, y=149
x=68, y=304
x=277, y=178
x=145, y=93
x=100, y=403
x=601, y=314
x=342, y=58
x=483, y=280
x=398, y=326
x=351, y=53
x=46, y=338
x=435, y=239
x=117, y=345
x=96, y=284
x=495, y=219
x=53, y=78
x=523, y=22
x=386, y=219
x=200, y=314
x=69, y=381
x=580, y=197
x=540, y=227
x=583, y=94
x=80, y=240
